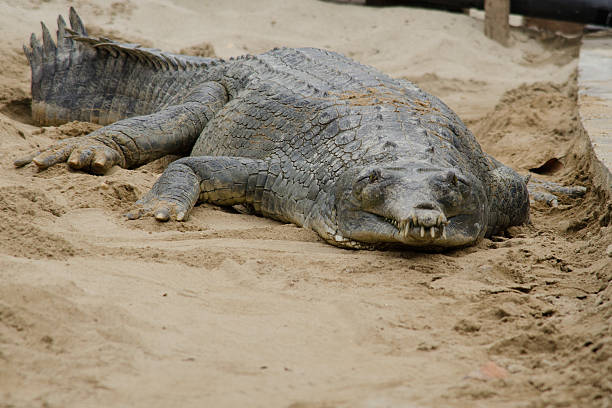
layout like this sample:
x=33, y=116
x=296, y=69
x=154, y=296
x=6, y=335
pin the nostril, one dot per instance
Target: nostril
x=425, y=206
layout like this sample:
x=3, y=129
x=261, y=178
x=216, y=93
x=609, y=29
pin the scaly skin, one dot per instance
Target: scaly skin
x=299, y=135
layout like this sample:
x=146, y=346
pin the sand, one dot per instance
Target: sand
x=232, y=310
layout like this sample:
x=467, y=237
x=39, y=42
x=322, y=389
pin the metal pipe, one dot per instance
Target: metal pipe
x=598, y=12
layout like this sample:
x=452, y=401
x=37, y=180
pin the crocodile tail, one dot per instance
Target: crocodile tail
x=99, y=80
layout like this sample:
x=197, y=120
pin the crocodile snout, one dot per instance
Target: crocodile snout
x=424, y=220
x=427, y=217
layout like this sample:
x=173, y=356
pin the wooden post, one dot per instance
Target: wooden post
x=497, y=26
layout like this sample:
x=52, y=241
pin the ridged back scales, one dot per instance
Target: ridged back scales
x=319, y=113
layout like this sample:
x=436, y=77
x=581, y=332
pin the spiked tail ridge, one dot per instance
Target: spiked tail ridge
x=100, y=80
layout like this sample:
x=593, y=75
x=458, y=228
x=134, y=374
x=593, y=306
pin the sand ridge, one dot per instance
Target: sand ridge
x=234, y=310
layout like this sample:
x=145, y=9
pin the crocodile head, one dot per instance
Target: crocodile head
x=412, y=204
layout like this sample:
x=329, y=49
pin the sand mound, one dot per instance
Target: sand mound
x=544, y=114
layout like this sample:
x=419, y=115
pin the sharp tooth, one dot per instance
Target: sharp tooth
x=443, y=232
x=422, y=231
x=432, y=231
x=415, y=220
x=441, y=219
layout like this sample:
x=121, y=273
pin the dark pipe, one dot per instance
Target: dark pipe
x=451, y=5
x=598, y=12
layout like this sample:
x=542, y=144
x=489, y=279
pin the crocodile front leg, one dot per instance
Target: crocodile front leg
x=214, y=179
x=548, y=191
x=138, y=140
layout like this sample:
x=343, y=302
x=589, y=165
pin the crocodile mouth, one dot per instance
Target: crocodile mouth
x=419, y=228
x=430, y=227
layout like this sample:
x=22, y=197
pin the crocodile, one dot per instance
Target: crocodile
x=301, y=135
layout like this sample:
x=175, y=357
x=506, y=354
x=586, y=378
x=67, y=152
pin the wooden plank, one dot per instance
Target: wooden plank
x=497, y=26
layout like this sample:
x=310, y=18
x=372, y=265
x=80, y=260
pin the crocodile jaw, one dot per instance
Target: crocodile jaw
x=372, y=229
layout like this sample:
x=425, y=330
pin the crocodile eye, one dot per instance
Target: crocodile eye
x=451, y=177
x=365, y=179
x=374, y=176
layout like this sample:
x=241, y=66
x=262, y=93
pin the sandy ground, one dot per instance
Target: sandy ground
x=232, y=310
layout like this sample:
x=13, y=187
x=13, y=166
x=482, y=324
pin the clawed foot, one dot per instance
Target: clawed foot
x=81, y=153
x=547, y=191
x=172, y=196
x=161, y=210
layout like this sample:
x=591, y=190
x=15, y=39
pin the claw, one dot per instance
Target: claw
x=22, y=161
x=99, y=165
x=134, y=214
x=162, y=215
x=50, y=157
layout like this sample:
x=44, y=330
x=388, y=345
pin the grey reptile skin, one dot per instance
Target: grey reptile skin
x=305, y=135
